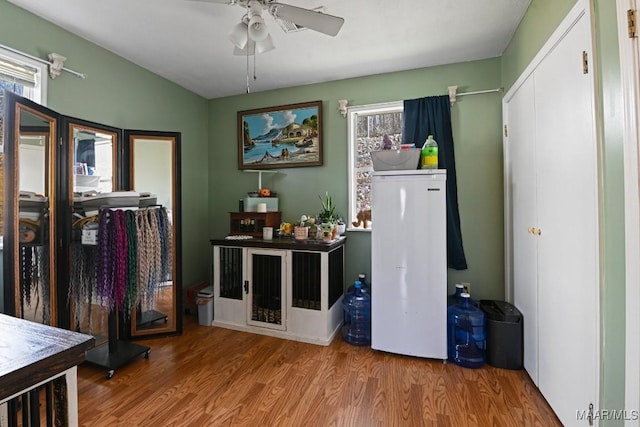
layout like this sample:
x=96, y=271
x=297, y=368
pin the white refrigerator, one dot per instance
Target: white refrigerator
x=409, y=263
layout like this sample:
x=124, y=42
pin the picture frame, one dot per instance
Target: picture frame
x=285, y=136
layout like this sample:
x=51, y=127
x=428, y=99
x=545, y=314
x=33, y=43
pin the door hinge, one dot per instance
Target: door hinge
x=585, y=62
x=590, y=415
x=246, y=286
x=60, y=140
x=506, y=131
x=631, y=23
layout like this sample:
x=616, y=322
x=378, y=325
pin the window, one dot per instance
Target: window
x=23, y=76
x=367, y=126
x=26, y=78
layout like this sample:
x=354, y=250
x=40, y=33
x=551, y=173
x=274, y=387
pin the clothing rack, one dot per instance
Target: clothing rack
x=146, y=318
x=118, y=353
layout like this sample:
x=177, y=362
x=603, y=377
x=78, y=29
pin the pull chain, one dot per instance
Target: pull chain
x=248, y=89
x=254, y=65
x=247, y=48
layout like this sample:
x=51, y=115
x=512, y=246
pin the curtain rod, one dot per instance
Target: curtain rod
x=53, y=64
x=453, y=94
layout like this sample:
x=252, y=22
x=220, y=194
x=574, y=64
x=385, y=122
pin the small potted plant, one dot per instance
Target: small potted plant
x=301, y=229
x=311, y=224
x=327, y=214
x=327, y=218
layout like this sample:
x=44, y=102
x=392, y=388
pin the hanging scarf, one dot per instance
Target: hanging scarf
x=166, y=249
x=104, y=288
x=120, y=258
x=82, y=282
x=131, y=294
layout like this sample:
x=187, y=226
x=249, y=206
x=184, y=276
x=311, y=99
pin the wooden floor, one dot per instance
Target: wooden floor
x=211, y=376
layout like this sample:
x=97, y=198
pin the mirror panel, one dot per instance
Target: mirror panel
x=29, y=232
x=154, y=173
x=93, y=151
x=36, y=173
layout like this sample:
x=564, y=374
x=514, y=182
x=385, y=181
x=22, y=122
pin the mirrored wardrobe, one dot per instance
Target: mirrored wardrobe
x=91, y=224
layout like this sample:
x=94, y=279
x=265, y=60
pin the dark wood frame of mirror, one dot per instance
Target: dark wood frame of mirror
x=70, y=126
x=173, y=325
x=60, y=184
x=12, y=247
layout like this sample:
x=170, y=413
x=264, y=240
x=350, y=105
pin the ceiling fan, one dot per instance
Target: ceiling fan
x=251, y=35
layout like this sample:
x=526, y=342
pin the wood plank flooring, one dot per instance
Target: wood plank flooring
x=211, y=376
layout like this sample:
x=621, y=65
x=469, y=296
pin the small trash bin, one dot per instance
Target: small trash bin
x=204, y=300
x=192, y=294
x=504, y=334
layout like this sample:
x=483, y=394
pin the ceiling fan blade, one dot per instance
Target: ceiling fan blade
x=327, y=24
x=229, y=2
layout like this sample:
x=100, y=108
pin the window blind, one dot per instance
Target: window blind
x=17, y=72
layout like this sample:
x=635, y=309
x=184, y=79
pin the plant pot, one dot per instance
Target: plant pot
x=326, y=230
x=301, y=233
x=341, y=228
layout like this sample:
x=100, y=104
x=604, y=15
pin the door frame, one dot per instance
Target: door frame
x=629, y=69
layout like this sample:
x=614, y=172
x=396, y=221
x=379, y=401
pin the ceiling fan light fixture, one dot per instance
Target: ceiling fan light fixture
x=239, y=35
x=265, y=45
x=257, y=29
x=253, y=48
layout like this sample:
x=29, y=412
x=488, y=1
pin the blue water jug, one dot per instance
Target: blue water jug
x=455, y=298
x=356, y=329
x=366, y=289
x=466, y=336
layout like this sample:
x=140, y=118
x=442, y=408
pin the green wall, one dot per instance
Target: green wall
x=537, y=25
x=477, y=123
x=541, y=19
x=121, y=94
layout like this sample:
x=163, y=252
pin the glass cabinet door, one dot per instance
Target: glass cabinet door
x=28, y=210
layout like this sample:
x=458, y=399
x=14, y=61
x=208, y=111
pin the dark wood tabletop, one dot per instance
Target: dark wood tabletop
x=31, y=352
x=283, y=243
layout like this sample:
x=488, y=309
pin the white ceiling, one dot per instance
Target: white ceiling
x=186, y=41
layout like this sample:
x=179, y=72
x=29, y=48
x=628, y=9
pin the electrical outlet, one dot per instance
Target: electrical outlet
x=467, y=287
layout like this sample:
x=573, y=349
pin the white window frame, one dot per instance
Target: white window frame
x=352, y=127
x=38, y=93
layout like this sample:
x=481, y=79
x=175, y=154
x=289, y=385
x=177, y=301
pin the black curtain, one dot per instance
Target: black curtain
x=432, y=116
x=86, y=152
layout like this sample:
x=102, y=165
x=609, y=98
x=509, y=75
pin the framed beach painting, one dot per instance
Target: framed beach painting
x=280, y=137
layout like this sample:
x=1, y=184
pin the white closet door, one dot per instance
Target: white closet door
x=521, y=152
x=568, y=263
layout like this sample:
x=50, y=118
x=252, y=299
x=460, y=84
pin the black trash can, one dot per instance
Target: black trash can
x=505, y=344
